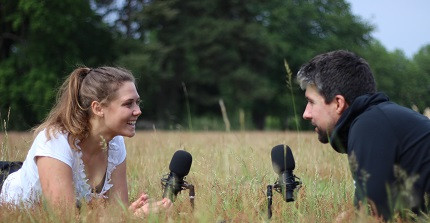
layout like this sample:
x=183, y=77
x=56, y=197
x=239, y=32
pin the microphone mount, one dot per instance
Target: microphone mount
x=292, y=182
x=286, y=188
x=177, y=184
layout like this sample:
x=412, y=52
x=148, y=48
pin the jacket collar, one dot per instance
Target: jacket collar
x=339, y=136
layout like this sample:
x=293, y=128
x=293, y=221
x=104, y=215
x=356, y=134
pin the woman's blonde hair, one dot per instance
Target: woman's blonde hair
x=72, y=110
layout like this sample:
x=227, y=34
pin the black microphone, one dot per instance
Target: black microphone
x=283, y=164
x=173, y=182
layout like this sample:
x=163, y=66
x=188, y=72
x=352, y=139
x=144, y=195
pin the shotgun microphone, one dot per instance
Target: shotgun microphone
x=174, y=182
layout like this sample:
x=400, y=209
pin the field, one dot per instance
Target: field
x=230, y=172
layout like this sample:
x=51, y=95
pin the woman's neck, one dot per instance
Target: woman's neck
x=98, y=132
x=94, y=144
x=97, y=139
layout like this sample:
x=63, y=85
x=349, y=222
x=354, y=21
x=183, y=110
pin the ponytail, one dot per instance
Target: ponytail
x=74, y=85
x=75, y=117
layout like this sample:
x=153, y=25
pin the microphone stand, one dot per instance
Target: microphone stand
x=292, y=183
x=269, y=201
x=191, y=193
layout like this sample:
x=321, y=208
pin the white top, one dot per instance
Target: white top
x=24, y=185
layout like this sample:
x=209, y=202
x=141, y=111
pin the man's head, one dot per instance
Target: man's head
x=332, y=82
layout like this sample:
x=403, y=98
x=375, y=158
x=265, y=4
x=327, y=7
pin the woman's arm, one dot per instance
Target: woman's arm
x=119, y=190
x=56, y=180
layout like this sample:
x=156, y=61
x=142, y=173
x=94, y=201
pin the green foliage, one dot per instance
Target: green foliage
x=422, y=60
x=207, y=123
x=421, y=73
x=403, y=80
x=230, y=50
x=43, y=41
x=272, y=123
x=234, y=51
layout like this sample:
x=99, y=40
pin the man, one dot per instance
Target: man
x=388, y=145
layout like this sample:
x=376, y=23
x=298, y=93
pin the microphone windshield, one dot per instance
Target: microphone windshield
x=282, y=159
x=181, y=163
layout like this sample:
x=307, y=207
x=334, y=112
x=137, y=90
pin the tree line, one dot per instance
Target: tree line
x=188, y=56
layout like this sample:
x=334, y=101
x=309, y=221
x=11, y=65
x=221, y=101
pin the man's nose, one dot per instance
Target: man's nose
x=307, y=114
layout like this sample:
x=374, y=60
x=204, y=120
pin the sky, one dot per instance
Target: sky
x=399, y=24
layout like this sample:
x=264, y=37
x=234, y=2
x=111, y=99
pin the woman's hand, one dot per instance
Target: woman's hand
x=142, y=200
x=143, y=206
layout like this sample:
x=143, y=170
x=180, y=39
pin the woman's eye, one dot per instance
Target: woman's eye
x=131, y=103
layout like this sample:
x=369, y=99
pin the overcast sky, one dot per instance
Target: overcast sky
x=400, y=24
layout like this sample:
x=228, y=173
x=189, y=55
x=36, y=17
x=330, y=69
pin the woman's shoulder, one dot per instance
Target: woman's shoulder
x=53, y=144
x=117, y=143
x=117, y=152
x=51, y=136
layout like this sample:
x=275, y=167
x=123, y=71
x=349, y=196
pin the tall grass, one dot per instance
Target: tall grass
x=4, y=147
x=289, y=82
x=230, y=172
x=190, y=124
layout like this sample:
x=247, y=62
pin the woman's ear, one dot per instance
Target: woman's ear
x=97, y=108
x=341, y=104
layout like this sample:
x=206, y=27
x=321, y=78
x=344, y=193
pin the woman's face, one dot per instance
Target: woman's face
x=121, y=114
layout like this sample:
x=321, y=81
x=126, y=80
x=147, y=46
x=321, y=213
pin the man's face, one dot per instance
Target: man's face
x=323, y=116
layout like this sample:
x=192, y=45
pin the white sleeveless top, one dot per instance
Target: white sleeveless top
x=24, y=186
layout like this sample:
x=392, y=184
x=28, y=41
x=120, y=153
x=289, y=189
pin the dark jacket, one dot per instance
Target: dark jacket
x=389, y=151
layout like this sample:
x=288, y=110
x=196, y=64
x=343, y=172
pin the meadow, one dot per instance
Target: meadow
x=230, y=173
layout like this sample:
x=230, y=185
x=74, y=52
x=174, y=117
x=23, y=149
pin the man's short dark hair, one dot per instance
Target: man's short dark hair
x=338, y=73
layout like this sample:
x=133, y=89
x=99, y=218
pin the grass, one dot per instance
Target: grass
x=230, y=172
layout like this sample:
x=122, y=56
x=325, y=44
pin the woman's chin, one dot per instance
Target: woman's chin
x=130, y=134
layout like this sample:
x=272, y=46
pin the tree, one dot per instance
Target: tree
x=235, y=50
x=401, y=79
x=41, y=42
x=192, y=52
x=422, y=61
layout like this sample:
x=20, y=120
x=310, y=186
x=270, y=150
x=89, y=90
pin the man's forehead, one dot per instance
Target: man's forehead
x=311, y=89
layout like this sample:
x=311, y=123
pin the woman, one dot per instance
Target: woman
x=79, y=152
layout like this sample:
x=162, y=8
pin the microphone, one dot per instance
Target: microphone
x=173, y=182
x=283, y=164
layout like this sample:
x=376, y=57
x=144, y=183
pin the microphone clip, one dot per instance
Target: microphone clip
x=172, y=185
x=286, y=187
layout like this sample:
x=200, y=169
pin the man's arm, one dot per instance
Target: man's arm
x=372, y=150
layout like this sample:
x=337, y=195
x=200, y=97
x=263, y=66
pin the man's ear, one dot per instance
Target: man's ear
x=341, y=104
x=97, y=108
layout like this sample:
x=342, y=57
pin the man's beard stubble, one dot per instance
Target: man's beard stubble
x=323, y=135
